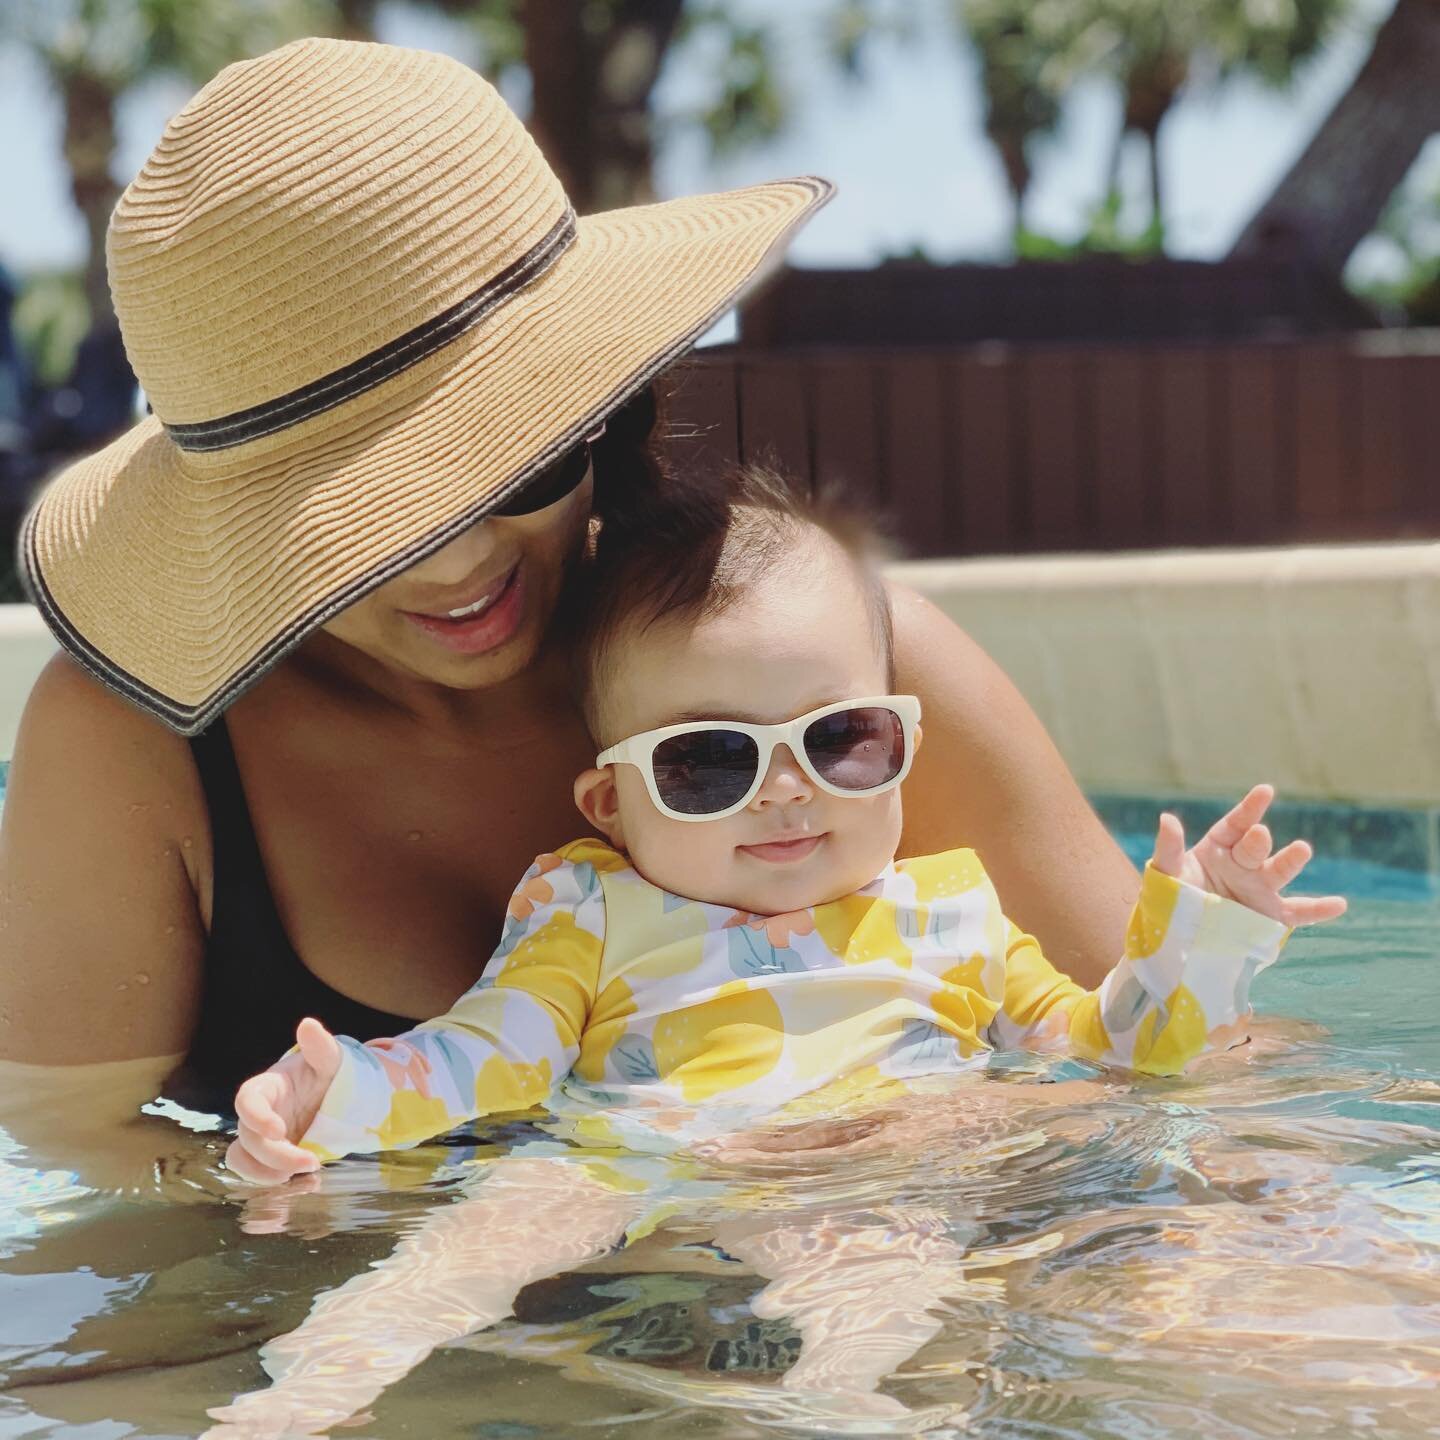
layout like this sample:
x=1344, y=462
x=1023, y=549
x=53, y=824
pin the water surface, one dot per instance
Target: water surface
x=1252, y=1250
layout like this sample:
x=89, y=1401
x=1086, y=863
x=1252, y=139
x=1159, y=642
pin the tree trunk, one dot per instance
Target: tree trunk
x=89, y=151
x=591, y=95
x=1157, y=186
x=562, y=80
x=634, y=50
x=357, y=19
x=1335, y=192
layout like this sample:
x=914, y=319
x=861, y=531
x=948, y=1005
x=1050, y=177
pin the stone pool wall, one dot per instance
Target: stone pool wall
x=1173, y=673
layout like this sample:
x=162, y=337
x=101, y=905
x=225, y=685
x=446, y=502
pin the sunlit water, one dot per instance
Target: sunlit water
x=1252, y=1250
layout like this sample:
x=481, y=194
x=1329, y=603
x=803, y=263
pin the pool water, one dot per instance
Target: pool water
x=1252, y=1250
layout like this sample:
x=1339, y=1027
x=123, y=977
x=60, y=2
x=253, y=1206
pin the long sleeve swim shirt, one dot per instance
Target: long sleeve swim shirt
x=647, y=996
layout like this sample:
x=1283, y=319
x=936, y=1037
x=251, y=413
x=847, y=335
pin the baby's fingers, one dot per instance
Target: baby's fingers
x=1253, y=847
x=1169, y=854
x=1229, y=828
x=1286, y=864
x=255, y=1161
x=1311, y=909
x=258, y=1103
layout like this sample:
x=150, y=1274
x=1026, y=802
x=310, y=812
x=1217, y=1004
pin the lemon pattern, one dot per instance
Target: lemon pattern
x=651, y=999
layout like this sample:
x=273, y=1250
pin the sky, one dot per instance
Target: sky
x=905, y=146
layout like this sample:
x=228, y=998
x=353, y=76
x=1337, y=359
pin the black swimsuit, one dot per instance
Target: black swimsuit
x=255, y=987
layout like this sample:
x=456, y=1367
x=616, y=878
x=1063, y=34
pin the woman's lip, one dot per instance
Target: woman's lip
x=784, y=852
x=493, y=627
x=463, y=599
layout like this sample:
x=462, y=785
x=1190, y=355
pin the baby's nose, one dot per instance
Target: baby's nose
x=785, y=782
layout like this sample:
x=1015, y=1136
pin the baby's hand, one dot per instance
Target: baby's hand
x=1234, y=860
x=276, y=1107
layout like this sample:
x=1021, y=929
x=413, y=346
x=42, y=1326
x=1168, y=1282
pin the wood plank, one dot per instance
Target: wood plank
x=913, y=394
x=1420, y=496
x=1256, y=436
x=700, y=419
x=1191, y=487
x=847, y=427
x=1120, y=434
x=1321, y=461
x=984, y=450
x=1056, y=461
x=775, y=419
x=1384, y=415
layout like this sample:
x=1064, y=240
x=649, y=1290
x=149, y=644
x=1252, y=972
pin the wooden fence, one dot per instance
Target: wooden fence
x=1002, y=449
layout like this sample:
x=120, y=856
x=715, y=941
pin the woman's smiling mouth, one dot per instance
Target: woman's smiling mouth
x=478, y=623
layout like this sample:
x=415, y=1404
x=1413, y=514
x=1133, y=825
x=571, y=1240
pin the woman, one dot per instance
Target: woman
x=309, y=608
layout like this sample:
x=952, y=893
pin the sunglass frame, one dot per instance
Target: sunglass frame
x=639, y=750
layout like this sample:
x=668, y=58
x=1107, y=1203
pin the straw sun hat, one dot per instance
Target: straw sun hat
x=364, y=314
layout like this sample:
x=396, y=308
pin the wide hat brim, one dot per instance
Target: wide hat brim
x=180, y=578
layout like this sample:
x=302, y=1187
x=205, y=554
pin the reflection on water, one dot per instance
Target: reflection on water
x=1250, y=1251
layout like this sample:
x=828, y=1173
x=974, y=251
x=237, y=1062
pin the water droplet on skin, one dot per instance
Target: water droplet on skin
x=142, y=978
x=416, y=835
x=187, y=842
x=169, y=929
x=122, y=986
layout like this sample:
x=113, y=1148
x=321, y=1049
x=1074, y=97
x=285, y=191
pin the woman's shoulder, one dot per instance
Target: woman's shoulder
x=104, y=879
x=82, y=746
x=70, y=711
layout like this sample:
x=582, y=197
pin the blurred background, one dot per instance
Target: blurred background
x=1101, y=274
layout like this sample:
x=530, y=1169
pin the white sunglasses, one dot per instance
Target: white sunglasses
x=708, y=769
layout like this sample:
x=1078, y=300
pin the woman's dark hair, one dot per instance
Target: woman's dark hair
x=630, y=473
x=692, y=548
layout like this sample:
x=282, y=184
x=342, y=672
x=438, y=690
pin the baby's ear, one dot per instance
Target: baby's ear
x=598, y=802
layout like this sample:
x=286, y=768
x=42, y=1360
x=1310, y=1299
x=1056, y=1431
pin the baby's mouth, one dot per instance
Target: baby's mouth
x=785, y=851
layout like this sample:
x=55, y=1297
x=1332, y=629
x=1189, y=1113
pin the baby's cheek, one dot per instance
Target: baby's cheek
x=869, y=832
x=679, y=856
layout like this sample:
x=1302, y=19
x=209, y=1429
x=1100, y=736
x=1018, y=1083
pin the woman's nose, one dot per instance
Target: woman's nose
x=785, y=782
x=460, y=558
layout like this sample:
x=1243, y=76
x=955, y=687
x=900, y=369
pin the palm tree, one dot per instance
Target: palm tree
x=94, y=50
x=1333, y=195
x=1023, y=77
x=593, y=66
x=1155, y=49
x=1032, y=52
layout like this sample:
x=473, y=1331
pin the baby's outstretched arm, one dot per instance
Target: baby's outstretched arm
x=504, y=1045
x=1208, y=920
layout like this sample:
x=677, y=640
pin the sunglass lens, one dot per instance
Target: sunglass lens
x=857, y=749
x=704, y=771
x=550, y=485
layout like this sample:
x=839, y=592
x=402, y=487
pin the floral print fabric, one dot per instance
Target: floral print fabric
x=646, y=999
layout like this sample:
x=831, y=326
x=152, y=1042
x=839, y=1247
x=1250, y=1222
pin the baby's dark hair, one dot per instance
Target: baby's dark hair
x=694, y=549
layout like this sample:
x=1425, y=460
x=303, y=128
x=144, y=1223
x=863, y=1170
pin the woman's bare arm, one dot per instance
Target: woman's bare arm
x=104, y=868
x=989, y=777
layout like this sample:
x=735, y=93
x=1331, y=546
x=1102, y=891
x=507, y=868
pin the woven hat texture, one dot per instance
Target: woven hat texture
x=364, y=314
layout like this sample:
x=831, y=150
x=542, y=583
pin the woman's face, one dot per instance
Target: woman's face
x=475, y=612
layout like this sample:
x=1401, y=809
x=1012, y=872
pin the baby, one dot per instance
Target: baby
x=743, y=935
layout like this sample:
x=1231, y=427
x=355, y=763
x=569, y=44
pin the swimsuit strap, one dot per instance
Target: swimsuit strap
x=255, y=986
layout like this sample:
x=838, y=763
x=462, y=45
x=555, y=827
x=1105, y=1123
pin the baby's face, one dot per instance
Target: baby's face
x=792, y=644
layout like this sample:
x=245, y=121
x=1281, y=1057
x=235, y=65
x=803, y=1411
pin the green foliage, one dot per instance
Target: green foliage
x=1105, y=234
x=119, y=42
x=749, y=105
x=1032, y=53
x=1410, y=230
x=50, y=319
